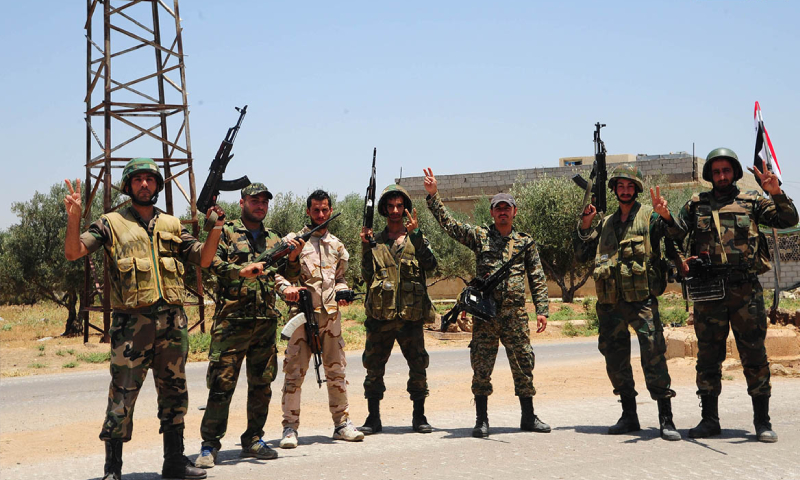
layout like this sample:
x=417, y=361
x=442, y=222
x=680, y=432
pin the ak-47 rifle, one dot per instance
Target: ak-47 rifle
x=214, y=183
x=282, y=248
x=308, y=319
x=477, y=299
x=595, y=188
x=369, y=201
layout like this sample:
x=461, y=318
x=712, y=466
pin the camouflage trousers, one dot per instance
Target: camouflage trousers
x=296, y=365
x=142, y=341
x=232, y=340
x=510, y=326
x=381, y=335
x=742, y=310
x=614, y=343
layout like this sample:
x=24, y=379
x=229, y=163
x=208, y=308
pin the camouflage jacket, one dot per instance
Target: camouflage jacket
x=491, y=251
x=739, y=214
x=321, y=267
x=238, y=297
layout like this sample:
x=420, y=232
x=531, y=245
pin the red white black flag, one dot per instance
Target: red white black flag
x=764, y=150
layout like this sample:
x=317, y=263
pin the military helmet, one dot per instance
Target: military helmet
x=140, y=165
x=390, y=191
x=628, y=172
x=722, y=153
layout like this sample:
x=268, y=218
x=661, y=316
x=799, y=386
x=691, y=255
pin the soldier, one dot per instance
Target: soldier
x=245, y=324
x=397, y=304
x=629, y=275
x=492, y=247
x=320, y=269
x=146, y=250
x=723, y=225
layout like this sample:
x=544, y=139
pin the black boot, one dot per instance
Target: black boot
x=176, y=465
x=418, y=422
x=668, y=430
x=530, y=422
x=113, y=466
x=373, y=422
x=709, y=425
x=761, y=420
x=629, y=421
x=481, y=429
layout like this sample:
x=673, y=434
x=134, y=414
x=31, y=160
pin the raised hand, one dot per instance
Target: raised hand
x=588, y=215
x=660, y=204
x=366, y=232
x=411, y=221
x=73, y=200
x=430, y=181
x=769, y=181
x=298, y=244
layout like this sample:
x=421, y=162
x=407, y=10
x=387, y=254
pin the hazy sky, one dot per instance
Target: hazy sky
x=460, y=86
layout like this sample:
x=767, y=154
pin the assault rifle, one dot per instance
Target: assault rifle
x=595, y=187
x=477, y=299
x=706, y=280
x=308, y=319
x=214, y=183
x=348, y=295
x=369, y=201
x=282, y=248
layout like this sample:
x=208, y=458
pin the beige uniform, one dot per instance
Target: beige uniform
x=320, y=268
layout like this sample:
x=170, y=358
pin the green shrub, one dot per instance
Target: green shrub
x=199, y=342
x=63, y=353
x=674, y=316
x=71, y=364
x=37, y=365
x=95, y=357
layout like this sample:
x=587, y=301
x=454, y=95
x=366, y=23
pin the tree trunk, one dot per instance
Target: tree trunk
x=73, y=326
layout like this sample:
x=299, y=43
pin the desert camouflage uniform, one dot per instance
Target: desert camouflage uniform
x=640, y=310
x=245, y=324
x=742, y=309
x=397, y=305
x=320, y=267
x=150, y=336
x=510, y=326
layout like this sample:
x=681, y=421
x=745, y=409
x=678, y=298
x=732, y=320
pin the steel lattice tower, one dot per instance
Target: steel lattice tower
x=136, y=106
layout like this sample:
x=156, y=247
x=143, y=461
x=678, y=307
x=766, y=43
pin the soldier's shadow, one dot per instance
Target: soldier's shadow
x=453, y=433
x=733, y=436
x=587, y=429
x=137, y=476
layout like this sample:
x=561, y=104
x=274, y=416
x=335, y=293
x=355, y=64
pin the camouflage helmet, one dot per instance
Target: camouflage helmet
x=628, y=172
x=141, y=165
x=720, y=154
x=390, y=191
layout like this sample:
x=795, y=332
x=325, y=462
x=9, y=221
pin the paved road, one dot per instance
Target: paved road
x=577, y=448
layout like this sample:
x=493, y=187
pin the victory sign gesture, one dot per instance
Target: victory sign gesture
x=660, y=204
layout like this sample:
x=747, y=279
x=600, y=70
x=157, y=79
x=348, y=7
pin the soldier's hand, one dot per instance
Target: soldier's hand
x=252, y=271
x=366, y=232
x=588, y=215
x=216, y=214
x=769, y=181
x=411, y=221
x=298, y=244
x=660, y=204
x=73, y=199
x=541, y=323
x=685, y=266
x=344, y=303
x=430, y=181
x=292, y=294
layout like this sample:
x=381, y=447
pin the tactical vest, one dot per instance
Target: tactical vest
x=135, y=283
x=398, y=289
x=744, y=245
x=628, y=269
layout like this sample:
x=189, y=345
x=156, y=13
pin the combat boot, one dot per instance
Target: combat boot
x=373, y=422
x=113, y=466
x=481, y=429
x=709, y=424
x=418, y=422
x=667, y=427
x=629, y=421
x=761, y=421
x=530, y=422
x=176, y=465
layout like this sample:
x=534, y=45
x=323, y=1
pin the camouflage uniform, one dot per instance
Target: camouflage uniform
x=510, y=326
x=320, y=267
x=617, y=246
x=148, y=328
x=397, y=305
x=245, y=324
x=742, y=309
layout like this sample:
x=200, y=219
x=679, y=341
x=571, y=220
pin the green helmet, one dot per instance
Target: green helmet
x=139, y=165
x=628, y=172
x=390, y=191
x=722, y=153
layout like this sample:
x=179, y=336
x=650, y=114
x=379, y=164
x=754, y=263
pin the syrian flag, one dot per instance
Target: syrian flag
x=764, y=150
